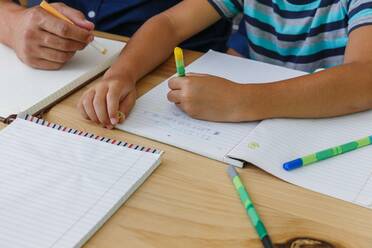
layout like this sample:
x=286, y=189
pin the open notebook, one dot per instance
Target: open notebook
x=59, y=185
x=23, y=89
x=347, y=177
x=156, y=118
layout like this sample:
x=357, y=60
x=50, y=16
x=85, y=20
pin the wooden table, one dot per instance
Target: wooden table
x=189, y=200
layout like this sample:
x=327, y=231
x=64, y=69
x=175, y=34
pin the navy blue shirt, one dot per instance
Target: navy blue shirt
x=125, y=17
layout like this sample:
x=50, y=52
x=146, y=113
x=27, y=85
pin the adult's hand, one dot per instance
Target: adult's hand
x=44, y=41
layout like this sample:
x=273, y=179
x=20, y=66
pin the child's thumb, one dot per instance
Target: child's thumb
x=127, y=104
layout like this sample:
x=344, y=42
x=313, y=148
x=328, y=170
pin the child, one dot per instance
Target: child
x=305, y=35
x=46, y=42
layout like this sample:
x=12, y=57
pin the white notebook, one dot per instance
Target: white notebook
x=59, y=185
x=347, y=177
x=23, y=89
x=156, y=118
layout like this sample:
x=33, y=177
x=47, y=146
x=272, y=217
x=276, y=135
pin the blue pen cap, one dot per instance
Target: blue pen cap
x=294, y=164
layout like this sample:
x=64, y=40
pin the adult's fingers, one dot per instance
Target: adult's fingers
x=43, y=64
x=174, y=96
x=74, y=15
x=55, y=55
x=64, y=29
x=55, y=42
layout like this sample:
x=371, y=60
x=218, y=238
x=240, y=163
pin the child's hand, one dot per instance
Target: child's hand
x=208, y=97
x=103, y=102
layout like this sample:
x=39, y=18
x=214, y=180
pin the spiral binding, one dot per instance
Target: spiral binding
x=90, y=135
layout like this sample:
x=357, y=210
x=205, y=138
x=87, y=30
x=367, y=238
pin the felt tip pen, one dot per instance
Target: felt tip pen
x=249, y=208
x=180, y=65
x=327, y=153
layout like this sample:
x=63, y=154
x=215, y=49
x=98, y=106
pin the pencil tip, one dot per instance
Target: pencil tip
x=104, y=51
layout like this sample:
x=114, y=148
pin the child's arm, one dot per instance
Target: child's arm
x=149, y=47
x=336, y=91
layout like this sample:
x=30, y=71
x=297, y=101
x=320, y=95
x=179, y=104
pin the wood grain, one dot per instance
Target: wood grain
x=189, y=200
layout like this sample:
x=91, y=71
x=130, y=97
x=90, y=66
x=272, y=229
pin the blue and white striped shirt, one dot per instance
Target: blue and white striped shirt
x=299, y=34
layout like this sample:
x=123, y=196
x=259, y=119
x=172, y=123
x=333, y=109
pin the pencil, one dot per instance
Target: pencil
x=180, y=65
x=327, y=153
x=49, y=8
x=249, y=207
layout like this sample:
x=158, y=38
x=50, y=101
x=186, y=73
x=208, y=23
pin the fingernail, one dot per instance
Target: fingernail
x=91, y=38
x=113, y=121
x=109, y=127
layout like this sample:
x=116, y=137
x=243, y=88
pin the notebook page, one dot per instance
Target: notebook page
x=156, y=118
x=347, y=177
x=22, y=87
x=56, y=188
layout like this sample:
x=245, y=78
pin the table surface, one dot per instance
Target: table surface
x=189, y=200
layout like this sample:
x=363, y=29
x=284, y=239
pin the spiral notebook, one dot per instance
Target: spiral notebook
x=24, y=89
x=59, y=185
x=347, y=177
x=155, y=117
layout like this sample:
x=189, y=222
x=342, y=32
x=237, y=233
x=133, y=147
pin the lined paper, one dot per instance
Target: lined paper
x=156, y=118
x=57, y=188
x=347, y=177
x=22, y=87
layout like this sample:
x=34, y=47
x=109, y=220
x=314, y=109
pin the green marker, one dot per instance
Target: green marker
x=180, y=65
x=327, y=153
x=251, y=211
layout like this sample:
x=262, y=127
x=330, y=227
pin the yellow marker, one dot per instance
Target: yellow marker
x=180, y=65
x=47, y=7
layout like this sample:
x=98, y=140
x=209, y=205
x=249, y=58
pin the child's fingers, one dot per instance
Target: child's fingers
x=100, y=106
x=81, y=109
x=176, y=83
x=174, y=96
x=180, y=106
x=197, y=74
x=113, y=99
x=88, y=106
x=127, y=104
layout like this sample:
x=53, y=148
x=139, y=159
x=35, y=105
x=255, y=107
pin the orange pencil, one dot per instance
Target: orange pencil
x=47, y=7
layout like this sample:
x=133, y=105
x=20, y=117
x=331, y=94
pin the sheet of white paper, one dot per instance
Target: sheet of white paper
x=21, y=86
x=156, y=118
x=56, y=188
x=347, y=177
